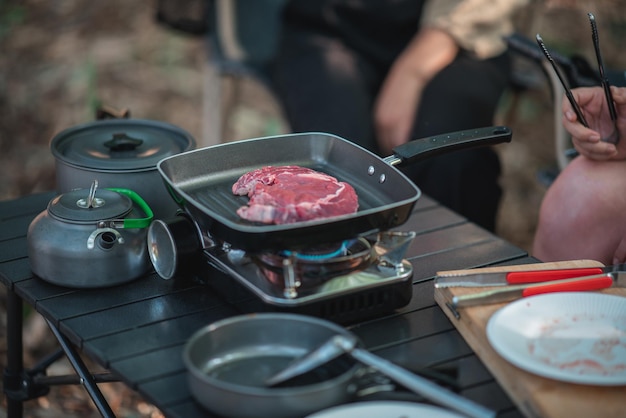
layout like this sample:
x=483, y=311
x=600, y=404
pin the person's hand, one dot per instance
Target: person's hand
x=588, y=141
x=397, y=103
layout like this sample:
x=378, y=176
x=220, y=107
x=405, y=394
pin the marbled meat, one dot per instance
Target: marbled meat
x=288, y=194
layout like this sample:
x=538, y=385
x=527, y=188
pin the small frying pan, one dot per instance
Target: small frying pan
x=201, y=181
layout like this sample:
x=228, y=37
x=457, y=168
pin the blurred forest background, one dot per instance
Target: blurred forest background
x=61, y=59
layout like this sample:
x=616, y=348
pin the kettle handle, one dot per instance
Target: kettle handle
x=135, y=222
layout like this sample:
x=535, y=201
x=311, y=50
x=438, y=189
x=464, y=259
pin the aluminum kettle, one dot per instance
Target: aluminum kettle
x=91, y=238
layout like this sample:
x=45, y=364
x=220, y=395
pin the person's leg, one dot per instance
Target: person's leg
x=465, y=95
x=323, y=86
x=583, y=213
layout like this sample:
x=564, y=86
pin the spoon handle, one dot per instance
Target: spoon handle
x=422, y=386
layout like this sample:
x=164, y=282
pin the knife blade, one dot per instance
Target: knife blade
x=505, y=294
x=515, y=277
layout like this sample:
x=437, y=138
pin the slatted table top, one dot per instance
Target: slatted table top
x=138, y=330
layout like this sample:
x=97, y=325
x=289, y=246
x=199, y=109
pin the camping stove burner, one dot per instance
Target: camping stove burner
x=312, y=266
x=282, y=280
x=345, y=281
x=326, y=252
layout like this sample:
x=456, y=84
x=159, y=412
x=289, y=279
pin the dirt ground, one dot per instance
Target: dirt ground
x=60, y=60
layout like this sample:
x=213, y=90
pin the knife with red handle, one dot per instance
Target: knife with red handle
x=590, y=283
x=504, y=294
x=523, y=277
x=514, y=277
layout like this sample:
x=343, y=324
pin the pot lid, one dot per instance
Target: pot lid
x=120, y=144
x=105, y=205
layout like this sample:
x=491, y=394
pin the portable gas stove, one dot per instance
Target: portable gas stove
x=344, y=281
x=201, y=182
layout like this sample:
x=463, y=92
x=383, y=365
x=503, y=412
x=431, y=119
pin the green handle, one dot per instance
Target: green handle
x=136, y=222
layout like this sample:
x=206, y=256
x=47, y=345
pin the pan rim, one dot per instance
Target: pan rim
x=265, y=392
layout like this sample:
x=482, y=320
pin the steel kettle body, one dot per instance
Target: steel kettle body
x=99, y=245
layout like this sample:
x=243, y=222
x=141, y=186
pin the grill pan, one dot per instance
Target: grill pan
x=201, y=181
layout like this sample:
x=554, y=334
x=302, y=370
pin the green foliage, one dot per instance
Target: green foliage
x=11, y=15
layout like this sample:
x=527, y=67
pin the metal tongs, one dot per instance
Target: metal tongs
x=613, y=138
x=348, y=344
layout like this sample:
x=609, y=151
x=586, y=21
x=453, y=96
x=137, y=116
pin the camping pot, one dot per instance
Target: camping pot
x=120, y=153
x=90, y=238
x=228, y=362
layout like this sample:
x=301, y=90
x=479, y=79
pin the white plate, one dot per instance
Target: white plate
x=576, y=337
x=385, y=409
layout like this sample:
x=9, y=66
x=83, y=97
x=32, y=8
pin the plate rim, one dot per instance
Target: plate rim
x=542, y=369
x=417, y=407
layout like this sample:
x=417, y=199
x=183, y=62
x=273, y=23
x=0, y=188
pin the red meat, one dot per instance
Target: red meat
x=287, y=194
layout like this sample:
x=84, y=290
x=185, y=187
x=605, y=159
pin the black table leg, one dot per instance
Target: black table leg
x=14, y=371
x=83, y=372
x=21, y=385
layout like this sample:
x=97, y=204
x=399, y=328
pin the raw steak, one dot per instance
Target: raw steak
x=287, y=194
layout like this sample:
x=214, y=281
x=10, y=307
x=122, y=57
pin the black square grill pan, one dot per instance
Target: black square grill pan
x=201, y=182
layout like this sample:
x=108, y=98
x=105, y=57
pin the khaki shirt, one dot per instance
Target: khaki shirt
x=478, y=26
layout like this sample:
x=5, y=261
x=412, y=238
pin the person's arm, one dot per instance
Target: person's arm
x=398, y=100
x=478, y=26
x=587, y=141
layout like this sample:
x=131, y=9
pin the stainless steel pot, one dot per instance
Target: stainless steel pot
x=88, y=239
x=229, y=361
x=120, y=153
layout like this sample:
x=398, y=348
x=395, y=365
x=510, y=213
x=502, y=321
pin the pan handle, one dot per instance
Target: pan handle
x=420, y=149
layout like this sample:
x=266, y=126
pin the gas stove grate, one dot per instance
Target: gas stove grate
x=358, y=303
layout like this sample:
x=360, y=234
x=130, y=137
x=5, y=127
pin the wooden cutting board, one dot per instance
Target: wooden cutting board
x=534, y=395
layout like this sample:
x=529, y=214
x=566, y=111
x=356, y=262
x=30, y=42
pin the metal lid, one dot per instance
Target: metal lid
x=120, y=144
x=74, y=206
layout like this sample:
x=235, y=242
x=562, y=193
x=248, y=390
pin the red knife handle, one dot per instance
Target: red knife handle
x=595, y=283
x=537, y=276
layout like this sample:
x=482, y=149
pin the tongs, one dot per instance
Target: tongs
x=568, y=92
x=613, y=138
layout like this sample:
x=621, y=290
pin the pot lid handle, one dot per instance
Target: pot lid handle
x=92, y=201
x=122, y=142
x=131, y=223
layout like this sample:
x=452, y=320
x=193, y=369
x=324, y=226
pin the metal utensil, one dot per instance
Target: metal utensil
x=514, y=277
x=341, y=344
x=568, y=92
x=614, y=137
x=595, y=282
x=467, y=278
